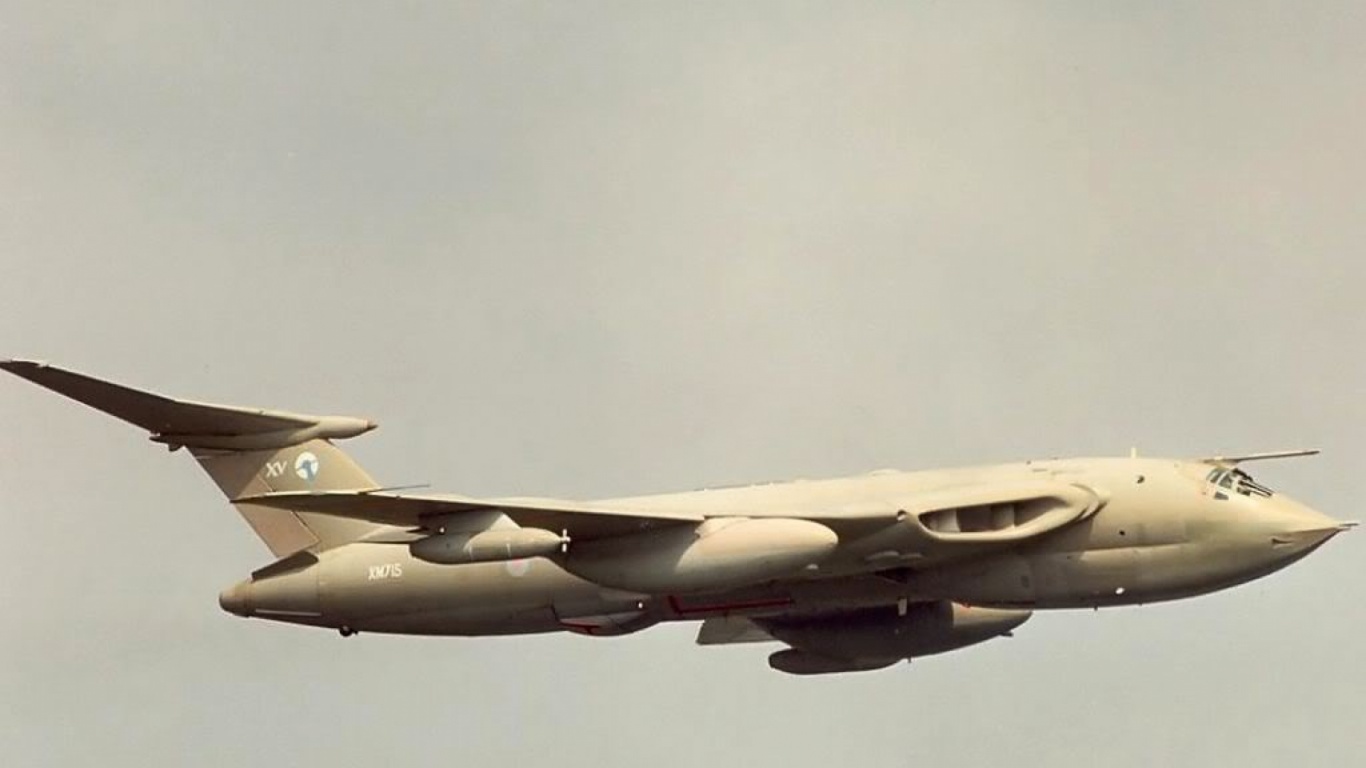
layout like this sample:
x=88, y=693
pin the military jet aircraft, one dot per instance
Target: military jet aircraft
x=850, y=574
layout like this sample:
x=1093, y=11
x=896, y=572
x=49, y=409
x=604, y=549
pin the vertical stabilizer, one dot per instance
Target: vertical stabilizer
x=316, y=465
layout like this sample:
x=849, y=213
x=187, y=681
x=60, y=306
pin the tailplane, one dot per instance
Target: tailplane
x=246, y=451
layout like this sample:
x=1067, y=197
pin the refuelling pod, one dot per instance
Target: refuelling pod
x=498, y=544
x=795, y=662
x=879, y=634
x=721, y=553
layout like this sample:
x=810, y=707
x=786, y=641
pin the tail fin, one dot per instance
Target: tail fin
x=246, y=451
x=314, y=465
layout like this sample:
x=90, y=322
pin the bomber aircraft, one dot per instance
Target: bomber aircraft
x=854, y=573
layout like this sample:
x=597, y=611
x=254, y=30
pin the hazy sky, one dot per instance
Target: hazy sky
x=589, y=250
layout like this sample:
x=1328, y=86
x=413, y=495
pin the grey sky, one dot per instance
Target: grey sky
x=604, y=249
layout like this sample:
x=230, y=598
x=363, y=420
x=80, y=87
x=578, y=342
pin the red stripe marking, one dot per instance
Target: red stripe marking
x=586, y=629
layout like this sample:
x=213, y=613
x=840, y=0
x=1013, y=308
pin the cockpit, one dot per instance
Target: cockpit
x=1235, y=480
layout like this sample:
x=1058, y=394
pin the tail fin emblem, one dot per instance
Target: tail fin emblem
x=306, y=466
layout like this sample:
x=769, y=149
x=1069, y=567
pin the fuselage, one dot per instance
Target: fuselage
x=1163, y=529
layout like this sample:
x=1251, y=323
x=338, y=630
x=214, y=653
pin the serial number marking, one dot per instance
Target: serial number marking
x=385, y=571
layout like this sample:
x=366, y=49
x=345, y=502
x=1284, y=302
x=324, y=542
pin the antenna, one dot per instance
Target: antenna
x=1235, y=460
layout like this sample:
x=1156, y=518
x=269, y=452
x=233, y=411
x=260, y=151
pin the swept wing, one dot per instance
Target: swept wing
x=424, y=511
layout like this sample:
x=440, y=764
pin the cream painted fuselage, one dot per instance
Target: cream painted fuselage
x=1161, y=530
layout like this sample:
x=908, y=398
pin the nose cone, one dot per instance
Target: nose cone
x=236, y=599
x=1305, y=541
x=1296, y=530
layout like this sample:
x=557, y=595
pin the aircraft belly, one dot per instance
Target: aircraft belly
x=1185, y=570
x=380, y=588
x=1085, y=578
x=462, y=623
x=1136, y=575
x=1041, y=579
x=1118, y=576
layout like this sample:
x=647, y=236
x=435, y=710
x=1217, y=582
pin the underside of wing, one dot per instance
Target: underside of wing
x=873, y=638
x=582, y=522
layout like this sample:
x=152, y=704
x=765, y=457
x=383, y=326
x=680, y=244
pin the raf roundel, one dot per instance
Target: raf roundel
x=306, y=466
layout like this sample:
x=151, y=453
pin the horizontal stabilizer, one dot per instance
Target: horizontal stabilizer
x=581, y=521
x=185, y=422
x=295, y=562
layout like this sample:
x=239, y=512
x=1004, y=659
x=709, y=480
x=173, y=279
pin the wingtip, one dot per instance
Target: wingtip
x=13, y=363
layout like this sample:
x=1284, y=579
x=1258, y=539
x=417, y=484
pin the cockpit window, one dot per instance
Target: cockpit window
x=1238, y=481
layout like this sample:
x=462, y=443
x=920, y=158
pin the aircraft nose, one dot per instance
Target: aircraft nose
x=1298, y=541
x=236, y=599
x=1300, y=530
